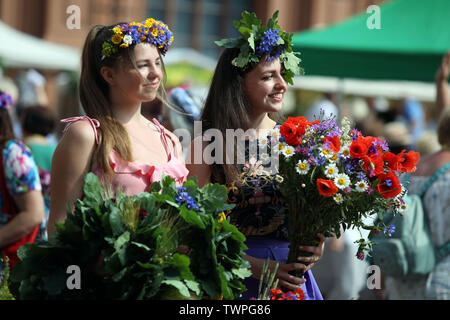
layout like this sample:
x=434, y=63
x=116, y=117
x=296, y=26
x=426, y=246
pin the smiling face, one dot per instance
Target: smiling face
x=140, y=83
x=265, y=87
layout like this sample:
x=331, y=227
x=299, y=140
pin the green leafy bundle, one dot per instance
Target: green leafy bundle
x=256, y=41
x=128, y=247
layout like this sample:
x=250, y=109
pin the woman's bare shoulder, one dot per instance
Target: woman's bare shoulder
x=80, y=132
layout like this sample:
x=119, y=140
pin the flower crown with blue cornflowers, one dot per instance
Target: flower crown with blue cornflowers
x=151, y=31
x=5, y=100
x=257, y=41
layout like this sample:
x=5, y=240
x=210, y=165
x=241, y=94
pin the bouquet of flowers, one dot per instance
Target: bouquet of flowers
x=334, y=176
x=168, y=243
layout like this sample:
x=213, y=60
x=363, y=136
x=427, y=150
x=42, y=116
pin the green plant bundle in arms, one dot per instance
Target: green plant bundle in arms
x=127, y=248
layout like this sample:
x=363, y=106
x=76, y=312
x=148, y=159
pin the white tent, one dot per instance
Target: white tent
x=21, y=50
x=423, y=91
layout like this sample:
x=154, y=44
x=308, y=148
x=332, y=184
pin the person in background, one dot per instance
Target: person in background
x=37, y=123
x=414, y=117
x=436, y=203
x=327, y=103
x=441, y=78
x=21, y=201
x=397, y=136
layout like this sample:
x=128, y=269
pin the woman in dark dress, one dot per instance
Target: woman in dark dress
x=248, y=99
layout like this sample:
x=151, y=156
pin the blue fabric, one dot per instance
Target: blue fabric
x=413, y=112
x=278, y=250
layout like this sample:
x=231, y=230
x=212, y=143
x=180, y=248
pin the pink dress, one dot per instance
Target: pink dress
x=134, y=177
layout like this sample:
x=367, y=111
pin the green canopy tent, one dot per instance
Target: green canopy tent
x=413, y=37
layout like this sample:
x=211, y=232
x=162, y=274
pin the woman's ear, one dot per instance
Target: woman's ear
x=107, y=74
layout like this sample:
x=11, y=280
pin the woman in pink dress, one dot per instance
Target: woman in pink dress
x=121, y=68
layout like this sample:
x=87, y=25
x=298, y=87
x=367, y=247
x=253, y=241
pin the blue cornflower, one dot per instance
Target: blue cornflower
x=355, y=134
x=349, y=168
x=381, y=143
x=320, y=161
x=372, y=150
x=390, y=230
x=361, y=176
x=184, y=197
x=388, y=182
x=268, y=40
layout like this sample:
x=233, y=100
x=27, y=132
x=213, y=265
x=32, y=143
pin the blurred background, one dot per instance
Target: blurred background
x=371, y=60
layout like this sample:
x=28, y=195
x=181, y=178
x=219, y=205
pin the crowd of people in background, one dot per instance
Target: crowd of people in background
x=27, y=143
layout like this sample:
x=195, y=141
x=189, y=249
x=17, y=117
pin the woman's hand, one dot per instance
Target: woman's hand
x=284, y=278
x=316, y=251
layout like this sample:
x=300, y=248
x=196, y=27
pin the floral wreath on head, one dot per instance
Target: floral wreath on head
x=5, y=100
x=257, y=41
x=127, y=34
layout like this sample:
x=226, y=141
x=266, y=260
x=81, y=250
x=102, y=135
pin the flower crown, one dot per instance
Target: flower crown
x=127, y=34
x=257, y=40
x=5, y=100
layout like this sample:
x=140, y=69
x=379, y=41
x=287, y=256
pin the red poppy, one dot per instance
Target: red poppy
x=389, y=186
x=334, y=143
x=289, y=131
x=407, y=161
x=358, y=149
x=373, y=165
x=326, y=188
x=275, y=293
x=300, y=294
x=390, y=161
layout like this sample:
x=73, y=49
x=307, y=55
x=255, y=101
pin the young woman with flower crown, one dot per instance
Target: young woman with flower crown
x=246, y=93
x=122, y=67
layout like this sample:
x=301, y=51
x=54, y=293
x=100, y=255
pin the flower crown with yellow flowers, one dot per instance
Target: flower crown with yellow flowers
x=5, y=100
x=127, y=34
x=256, y=41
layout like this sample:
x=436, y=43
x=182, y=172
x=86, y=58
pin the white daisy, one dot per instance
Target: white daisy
x=361, y=186
x=345, y=151
x=278, y=148
x=288, y=151
x=302, y=167
x=338, y=198
x=327, y=153
x=331, y=171
x=263, y=141
x=275, y=133
x=402, y=208
x=279, y=178
x=342, y=181
x=334, y=158
x=128, y=39
x=264, y=157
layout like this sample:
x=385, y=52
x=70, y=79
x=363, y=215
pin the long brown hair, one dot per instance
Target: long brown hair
x=94, y=96
x=227, y=107
x=6, y=127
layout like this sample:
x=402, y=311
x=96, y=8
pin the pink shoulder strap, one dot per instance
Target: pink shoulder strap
x=93, y=122
x=164, y=137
